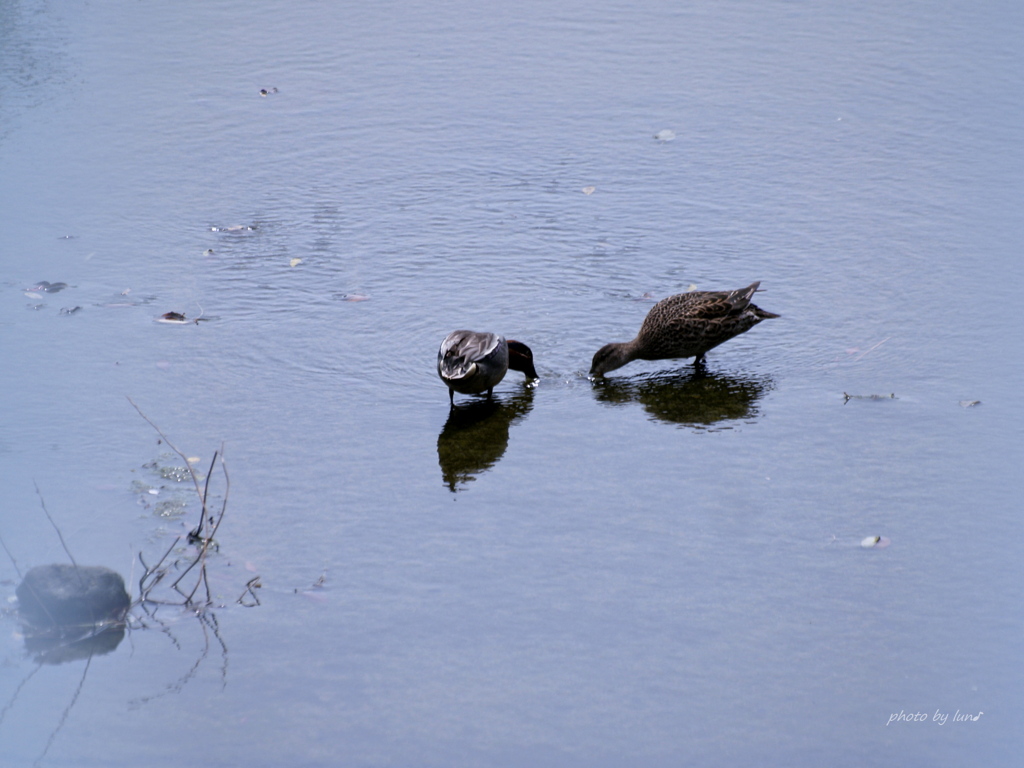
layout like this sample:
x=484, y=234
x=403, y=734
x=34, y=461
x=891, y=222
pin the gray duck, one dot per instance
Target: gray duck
x=471, y=363
x=685, y=325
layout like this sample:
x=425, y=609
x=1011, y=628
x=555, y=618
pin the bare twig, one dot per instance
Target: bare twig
x=208, y=540
x=206, y=491
x=203, y=536
x=227, y=491
x=13, y=561
x=250, y=587
x=48, y=517
x=145, y=589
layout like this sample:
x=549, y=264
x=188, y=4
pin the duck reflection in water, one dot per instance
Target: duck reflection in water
x=696, y=399
x=476, y=435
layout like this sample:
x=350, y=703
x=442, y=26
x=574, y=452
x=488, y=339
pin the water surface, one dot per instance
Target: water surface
x=658, y=569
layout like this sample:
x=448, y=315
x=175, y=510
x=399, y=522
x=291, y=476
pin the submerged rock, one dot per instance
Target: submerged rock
x=54, y=596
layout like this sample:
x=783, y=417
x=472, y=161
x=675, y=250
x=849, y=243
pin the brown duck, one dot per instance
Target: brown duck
x=685, y=325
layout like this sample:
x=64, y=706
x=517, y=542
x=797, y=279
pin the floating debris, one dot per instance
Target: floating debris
x=352, y=297
x=46, y=287
x=969, y=403
x=848, y=397
x=171, y=509
x=295, y=262
x=235, y=228
x=665, y=135
x=264, y=92
x=168, y=502
x=875, y=542
x=172, y=317
x=37, y=290
x=69, y=310
x=589, y=190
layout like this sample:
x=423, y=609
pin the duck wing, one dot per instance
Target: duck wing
x=699, y=306
x=462, y=350
x=689, y=324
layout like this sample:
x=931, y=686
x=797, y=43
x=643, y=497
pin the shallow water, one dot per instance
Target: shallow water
x=656, y=569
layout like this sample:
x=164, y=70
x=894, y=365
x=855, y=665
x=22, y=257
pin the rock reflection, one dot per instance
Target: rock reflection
x=476, y=435
x=696, y=399
x=61, y=650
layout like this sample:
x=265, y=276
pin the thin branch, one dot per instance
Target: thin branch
x=145, y=589
x=13, y=561
x=206, y=491
x=227, y=491
x=250, y=586
x=48, y=517
x=208, y=540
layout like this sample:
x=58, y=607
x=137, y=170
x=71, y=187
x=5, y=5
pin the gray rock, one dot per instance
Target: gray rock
x=66, y=595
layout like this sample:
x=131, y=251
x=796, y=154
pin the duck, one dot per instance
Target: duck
x=685, y=325
x=471, y=362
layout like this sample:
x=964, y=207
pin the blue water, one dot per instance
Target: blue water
x=654, y=570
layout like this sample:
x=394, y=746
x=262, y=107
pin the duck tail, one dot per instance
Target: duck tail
x=741, y=300
x=743, y=296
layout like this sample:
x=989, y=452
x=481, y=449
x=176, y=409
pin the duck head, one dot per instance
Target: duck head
x=520, y=358
x=609, y=357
